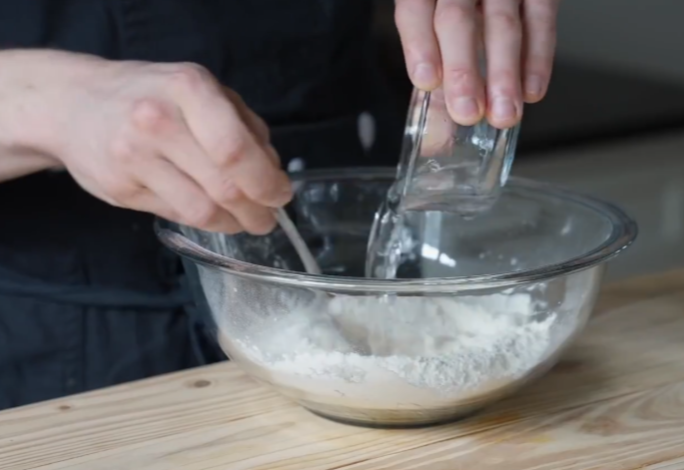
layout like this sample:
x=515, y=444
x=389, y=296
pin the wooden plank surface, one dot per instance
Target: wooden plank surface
x=615, y=402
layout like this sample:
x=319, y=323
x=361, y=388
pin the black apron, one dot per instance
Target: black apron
x=88, y=297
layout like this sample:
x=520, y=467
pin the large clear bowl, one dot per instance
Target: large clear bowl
x=536, y=258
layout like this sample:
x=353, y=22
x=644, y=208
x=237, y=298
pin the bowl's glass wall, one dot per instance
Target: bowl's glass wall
x=244, y=310
x=522, y=232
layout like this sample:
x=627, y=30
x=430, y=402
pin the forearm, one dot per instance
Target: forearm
x=29, y=109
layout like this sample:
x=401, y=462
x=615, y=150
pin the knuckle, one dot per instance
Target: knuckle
x=189, y=76
x=541, y=15
x=202, y=214
x=266, y=191
x=261, y=221
x=262, y=227
x=231, y=149
x=504, y=21
x=460, y=80
x=119, y=190
x=124, y=149
x=227, y=192
x=450, y=15
x=504, y=80
x=459, y=74
x=151, y=116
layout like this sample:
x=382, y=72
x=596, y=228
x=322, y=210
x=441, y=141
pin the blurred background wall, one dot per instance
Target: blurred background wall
x=639, y=37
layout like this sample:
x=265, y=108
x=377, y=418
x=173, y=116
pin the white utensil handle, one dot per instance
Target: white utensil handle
x=297, y=241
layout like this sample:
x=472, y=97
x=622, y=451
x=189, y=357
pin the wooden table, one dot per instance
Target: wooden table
x=615, y=402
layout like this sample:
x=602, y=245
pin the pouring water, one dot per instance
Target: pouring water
x=443, y=167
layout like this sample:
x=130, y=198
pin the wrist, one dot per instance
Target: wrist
x=34, y=90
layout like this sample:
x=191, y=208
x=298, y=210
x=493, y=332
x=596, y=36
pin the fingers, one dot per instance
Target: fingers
x=255, y=218
x=219, y=187
x=147, y=201
x=539, y=20
x=503, y=42
x=414, y=19
x=442, y=42
x=194, y=186
x=455, y=23
x=176, y=196
x=241, y=160
x=255, y=124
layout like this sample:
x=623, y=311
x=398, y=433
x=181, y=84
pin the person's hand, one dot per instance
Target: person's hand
x=442, y=39
x=161, y=138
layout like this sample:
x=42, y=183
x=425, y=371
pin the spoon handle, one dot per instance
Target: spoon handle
x=308, y=260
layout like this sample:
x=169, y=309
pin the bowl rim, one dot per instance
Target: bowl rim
x=624, y=232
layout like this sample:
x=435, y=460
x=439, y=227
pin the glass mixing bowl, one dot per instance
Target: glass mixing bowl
x=480, y=307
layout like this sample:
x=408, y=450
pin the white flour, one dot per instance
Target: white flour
x=411, y=347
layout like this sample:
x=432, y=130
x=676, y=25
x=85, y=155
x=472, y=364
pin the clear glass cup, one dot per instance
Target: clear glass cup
x=447, y=166
x=444, y=166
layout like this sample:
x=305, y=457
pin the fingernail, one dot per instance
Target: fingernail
x=533, y=85
x=466, y=108
x=503, y=109
x=425, y=74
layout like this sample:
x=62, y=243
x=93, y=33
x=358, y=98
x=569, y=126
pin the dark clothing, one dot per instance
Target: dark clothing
x=88, y=297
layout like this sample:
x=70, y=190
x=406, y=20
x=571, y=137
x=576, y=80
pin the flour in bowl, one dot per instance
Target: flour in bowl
x=402, y=348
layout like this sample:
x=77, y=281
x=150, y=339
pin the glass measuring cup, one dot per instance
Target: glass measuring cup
x=443, y=167
x=450, y=167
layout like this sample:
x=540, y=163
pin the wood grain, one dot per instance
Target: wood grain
x=615, y=402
